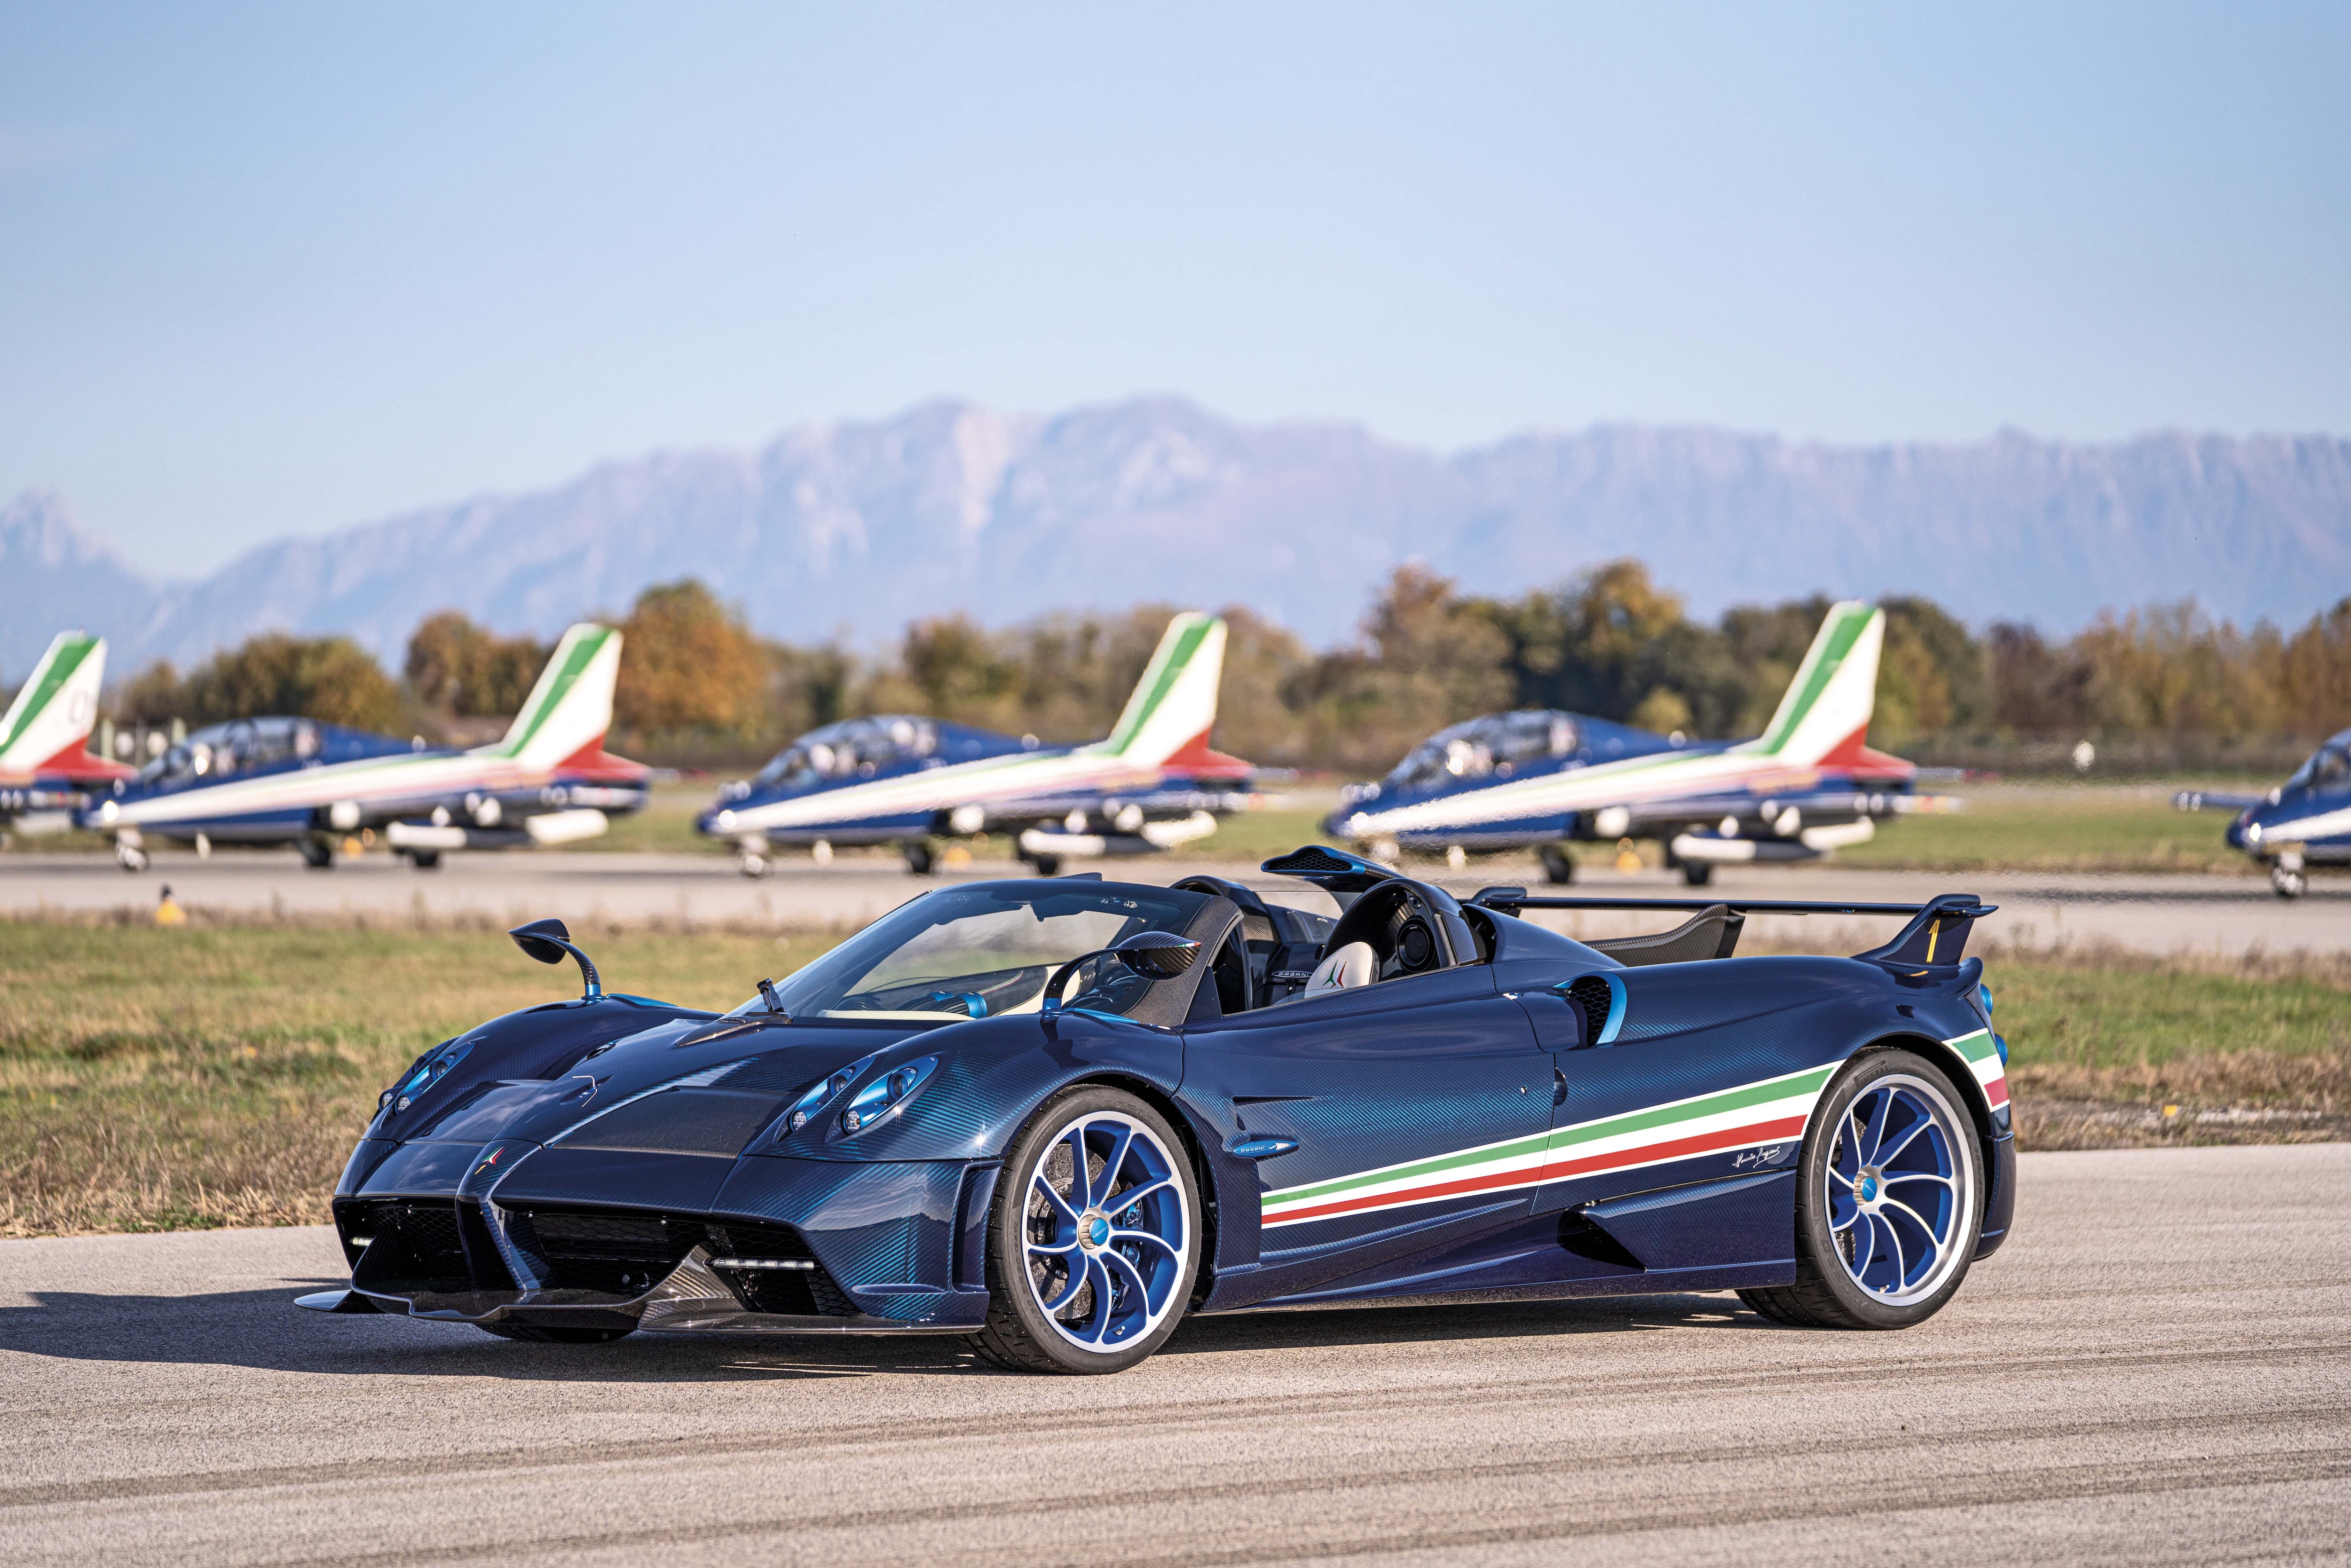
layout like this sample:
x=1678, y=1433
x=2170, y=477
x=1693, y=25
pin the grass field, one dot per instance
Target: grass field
x=217, y=1075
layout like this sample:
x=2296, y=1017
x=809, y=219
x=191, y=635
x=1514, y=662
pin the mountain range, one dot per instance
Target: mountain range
x=855, y=528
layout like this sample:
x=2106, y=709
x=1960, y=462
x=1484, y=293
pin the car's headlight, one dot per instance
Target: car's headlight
x=822, y=1092
x=886, y=1093
x=433, y=1067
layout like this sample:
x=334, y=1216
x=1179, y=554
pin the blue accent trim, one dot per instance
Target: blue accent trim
x=1615, y=1010
x=1262, y=1148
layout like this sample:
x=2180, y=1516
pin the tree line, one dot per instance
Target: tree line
x=697, y=685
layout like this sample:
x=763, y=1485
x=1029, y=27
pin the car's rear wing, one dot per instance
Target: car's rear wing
x=1937, y=932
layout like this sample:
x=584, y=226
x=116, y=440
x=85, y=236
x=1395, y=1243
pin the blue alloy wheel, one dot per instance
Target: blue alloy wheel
x=1107, y=1231
x=1092, y=1245
x=1889, y=1203
x=1896, y=1189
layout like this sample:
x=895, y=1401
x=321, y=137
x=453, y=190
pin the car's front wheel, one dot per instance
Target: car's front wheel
x=1094, y=1239
x=1889, y=1200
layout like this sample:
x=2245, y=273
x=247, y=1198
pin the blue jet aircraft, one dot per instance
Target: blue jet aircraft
x=905, y=779
x=2303, y=822
x=283, y=781
x=1541, y=778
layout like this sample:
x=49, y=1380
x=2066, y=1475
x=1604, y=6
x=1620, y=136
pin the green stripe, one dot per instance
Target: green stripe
x=574, y=664
x=1187, y=643
x=1975, y=1047
x=57, y=668
x=1665, y=1116
x=1631, y=1122
x=1821, y=668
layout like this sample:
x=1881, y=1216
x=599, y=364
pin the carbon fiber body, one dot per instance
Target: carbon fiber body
x=1484, y=1127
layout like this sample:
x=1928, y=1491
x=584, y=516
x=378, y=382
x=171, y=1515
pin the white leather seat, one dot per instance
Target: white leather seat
x=1343, y=970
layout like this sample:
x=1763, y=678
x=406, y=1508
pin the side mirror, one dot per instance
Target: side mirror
x=549, y=942
x=1153, y=955
x=1159, y=955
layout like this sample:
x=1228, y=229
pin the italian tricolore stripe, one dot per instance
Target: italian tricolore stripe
x=1983, y=1060
x=1771, y=1111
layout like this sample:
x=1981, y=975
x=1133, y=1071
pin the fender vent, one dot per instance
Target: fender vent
x=1591, y=996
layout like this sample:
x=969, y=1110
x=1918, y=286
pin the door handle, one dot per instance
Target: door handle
x=1558, y=1088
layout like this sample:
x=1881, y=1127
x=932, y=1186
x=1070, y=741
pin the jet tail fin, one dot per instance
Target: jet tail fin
x=48, y=723
x=1823, y=718
x=1174, y=707
x=571, y=707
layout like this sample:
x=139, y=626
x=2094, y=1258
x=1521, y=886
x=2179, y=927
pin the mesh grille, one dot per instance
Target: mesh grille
x=616, y=1253
x=799, y=1292
x=1311, y=859
x=1591, y=994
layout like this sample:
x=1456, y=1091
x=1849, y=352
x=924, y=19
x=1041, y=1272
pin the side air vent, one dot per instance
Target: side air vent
x=1595, y=999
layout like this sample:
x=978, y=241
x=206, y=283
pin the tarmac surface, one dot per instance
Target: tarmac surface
x=2156, y=1370
x=2161, y=914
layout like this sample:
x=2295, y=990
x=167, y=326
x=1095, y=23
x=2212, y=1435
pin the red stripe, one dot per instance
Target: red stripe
x=1700, y=1143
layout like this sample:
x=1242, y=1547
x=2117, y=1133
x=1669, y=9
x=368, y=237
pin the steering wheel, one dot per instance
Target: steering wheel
x=1399, y=927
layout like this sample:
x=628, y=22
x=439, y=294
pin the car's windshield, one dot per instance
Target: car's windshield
x=1499, y=743
x=984, y=949
x=852, y=748
x=2329, y=769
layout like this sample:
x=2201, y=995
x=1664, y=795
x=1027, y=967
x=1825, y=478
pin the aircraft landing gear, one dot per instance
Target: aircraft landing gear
x=129, y=857
x=1698, y=874
x=1557, y=863
x=1044, y=865
x=918, y=857
x=2288, y=880
x=424, y=860
x=317, y=854
x=752, y=865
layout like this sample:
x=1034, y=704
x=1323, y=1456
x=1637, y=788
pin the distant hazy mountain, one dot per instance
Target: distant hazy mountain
x=859, y=527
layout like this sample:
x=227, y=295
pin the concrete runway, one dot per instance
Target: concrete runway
x=2156, y=1370
x=2159, y=914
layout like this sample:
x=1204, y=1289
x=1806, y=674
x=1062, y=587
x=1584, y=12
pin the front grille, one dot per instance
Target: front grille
x=611, y=1252
x=799, y=1292
x=419, y=1245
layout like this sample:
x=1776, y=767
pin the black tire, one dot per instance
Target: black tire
x=1045, y=865
x=1021, y=1334
x=1826, y=1294
x=538, y=1335
x=316, y=854
x=424, y=860
x=1559, y=867
x=918, y=857
x=1698, y=874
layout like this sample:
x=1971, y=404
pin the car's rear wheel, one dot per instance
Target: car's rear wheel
x=539, y=1334
x=1889, y=1200
x=1093, y=1241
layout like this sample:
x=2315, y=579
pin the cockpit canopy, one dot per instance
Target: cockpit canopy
x=1499, y=744
x=2328, y=772
x=852, y=748
x=240, y=745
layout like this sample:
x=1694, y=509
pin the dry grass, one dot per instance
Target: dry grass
x=218, y=1073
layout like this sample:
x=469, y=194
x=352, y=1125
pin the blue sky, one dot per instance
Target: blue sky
x=270, y=269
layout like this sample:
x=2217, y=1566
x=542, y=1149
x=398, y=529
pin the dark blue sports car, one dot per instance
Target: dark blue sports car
x=1057, y=1115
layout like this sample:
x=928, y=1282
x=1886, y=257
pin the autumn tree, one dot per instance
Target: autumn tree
x=331, y=679
x=689, y=663
x=469, y=670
